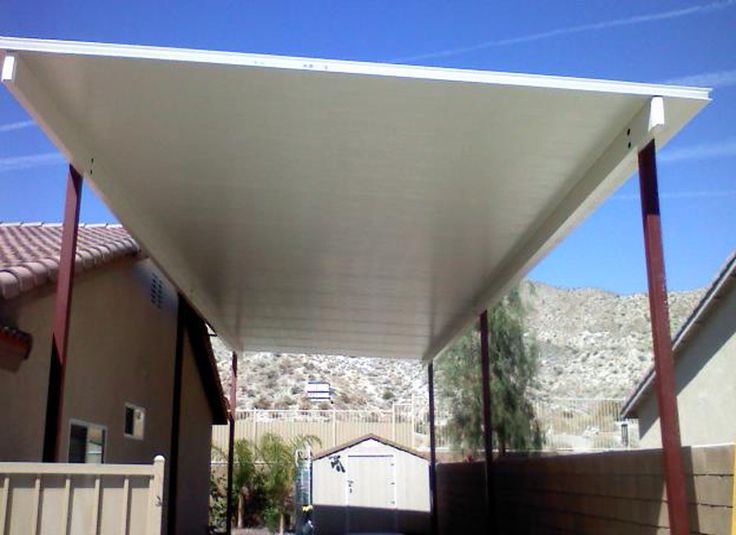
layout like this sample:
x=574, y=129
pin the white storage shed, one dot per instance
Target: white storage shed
x=370, y=485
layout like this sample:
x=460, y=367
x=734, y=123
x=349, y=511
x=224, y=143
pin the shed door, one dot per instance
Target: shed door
x=371, y=488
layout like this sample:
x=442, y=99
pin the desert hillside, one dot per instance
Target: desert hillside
x=592, y=343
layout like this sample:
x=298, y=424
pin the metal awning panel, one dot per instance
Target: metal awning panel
x=337, y=207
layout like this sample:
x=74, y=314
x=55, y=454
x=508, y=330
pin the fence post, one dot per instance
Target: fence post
x=4, y=500
x=156, y=496
x=393, y=422
x=334, y=427
x=412, y=425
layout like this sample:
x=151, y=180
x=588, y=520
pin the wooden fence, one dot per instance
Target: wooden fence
x=101, y=499
x=596, y=493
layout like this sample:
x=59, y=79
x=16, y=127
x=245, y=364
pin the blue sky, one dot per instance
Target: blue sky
x=681, y=42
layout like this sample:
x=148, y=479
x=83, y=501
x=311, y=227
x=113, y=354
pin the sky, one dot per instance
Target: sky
x=690, y=43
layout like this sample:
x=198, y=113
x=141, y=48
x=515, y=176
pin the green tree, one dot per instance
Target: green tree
x=513, y=367
x=248, y=493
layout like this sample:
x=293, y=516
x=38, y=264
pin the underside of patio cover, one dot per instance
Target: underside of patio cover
x=337, y=207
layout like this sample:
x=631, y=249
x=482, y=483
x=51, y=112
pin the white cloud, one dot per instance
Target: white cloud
x=721, y=149
x=15, y=163
x=9, y=127
x=627, y=21
x=715, y=79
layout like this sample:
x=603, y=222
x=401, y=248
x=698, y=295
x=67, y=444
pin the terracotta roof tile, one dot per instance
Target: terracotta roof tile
x=29, y=252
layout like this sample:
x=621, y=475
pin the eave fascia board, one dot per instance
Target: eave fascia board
x=78, y=48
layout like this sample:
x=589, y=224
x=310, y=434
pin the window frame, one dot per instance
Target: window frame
x=87, y=424
x=135, y=407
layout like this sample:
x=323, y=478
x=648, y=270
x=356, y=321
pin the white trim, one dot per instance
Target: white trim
x=51, y=46
x=135, y=407
x=8, y=70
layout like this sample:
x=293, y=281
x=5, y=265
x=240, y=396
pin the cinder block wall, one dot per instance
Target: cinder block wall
x=600, y=493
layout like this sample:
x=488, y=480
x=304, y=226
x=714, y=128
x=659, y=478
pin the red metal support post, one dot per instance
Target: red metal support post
x=485, y=366
x=674, y=471
x=231, y=441
x=433, y=503
x=62, y=317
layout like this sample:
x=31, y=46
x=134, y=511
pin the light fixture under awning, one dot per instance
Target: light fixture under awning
x=338, y=207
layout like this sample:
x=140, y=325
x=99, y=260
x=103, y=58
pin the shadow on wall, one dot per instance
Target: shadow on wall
x=334, y=520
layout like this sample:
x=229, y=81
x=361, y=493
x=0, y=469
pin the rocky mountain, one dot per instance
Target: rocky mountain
x=592, y=343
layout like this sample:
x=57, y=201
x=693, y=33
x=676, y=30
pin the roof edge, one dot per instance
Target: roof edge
x=707, y=301
x=369, y=436
x=52, y=46
x=20, y=278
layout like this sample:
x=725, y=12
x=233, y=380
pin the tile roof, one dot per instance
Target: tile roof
x=29, y=252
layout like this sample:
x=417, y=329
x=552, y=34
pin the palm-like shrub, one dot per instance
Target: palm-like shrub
x=263, y=478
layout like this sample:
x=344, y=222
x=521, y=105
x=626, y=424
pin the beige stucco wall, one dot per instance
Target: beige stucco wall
x=706, y=393
x=121, y=349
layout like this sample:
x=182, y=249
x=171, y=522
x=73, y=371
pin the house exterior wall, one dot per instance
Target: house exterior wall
x=121, y=350
x=706, y=398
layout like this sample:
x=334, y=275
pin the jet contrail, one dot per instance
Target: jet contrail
x=721, y=149
x=9, y=127
x=715, y=79
x=16, y=163
x=628, y=21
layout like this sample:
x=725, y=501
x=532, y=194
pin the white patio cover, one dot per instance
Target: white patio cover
x=308, y=205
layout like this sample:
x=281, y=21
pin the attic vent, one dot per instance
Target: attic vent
x=157, y=291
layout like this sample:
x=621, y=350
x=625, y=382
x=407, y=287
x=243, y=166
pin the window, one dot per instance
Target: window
x=86, y=443
x=135, y=421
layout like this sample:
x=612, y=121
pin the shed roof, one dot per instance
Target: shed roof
x=724, y=282
x=364, y=438
x=338, y=207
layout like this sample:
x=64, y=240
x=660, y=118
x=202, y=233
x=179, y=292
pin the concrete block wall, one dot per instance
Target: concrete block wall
x=601, y=493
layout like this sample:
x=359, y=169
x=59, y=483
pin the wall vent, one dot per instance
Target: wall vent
x=157, y=291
